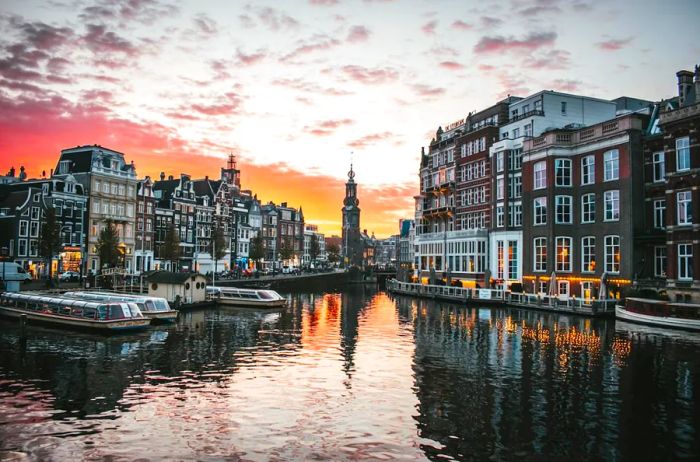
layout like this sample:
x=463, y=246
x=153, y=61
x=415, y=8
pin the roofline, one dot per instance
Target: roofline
x=95, y=147
x=552, y=92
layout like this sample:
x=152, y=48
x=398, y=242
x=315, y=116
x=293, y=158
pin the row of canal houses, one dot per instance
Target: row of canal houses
x=92, y=184
x=568, y=188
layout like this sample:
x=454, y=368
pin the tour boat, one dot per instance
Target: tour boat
x=260, y=298
x=72, y=312
x=660, y=313
x=154, y=308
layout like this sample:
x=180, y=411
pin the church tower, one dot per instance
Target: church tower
x=352, y=241
x=231, y=175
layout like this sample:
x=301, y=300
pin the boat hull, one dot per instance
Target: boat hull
x=161, y=316
x=663, y=321
x=108, y=326
x=252, y=303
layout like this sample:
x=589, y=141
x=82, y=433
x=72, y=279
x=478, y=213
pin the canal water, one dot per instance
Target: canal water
x=358, y=375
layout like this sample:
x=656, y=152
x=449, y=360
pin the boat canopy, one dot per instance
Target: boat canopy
x=74, y=307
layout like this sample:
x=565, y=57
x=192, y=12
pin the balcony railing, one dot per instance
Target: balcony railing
x=534, y=112
x=568, y=138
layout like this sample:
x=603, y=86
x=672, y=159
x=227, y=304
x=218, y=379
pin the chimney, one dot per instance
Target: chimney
x=162, y=176
x=283, y=204
x=685, y=82
x=170, y=177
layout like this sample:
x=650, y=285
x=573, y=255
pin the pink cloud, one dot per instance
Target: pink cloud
x=369, y=76
x=429, y=27
x=451, y=65
x=500, y=44
x=427, y=91
x=250, y=59
x=552, y=60
x=303, y=85
x=317, y=43
x=99, y=40
x=614, y=44
x=205, y=25
x=566, y=85
x=461, y=25
x=327, y=127
x=324, y=2
x=371, y=139
x=358, y=34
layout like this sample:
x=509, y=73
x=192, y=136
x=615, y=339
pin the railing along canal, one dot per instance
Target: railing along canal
x=525, y=300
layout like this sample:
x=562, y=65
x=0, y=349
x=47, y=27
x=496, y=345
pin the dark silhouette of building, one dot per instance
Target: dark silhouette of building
x=352, y=239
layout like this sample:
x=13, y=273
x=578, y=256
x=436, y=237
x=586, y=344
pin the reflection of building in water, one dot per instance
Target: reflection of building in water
x=495, y=382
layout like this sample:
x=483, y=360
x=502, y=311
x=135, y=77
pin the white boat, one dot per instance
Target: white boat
x=260, y=298
x=660, y=313
x=70, y=312
x=154, y=308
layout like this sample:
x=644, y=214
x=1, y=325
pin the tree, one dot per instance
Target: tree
x=108, y=245
x=218, y=245
x=314, y=248
x=333, y=252
x=286, y=251
x=170, y=251
x=257, y=249
x=50, y=237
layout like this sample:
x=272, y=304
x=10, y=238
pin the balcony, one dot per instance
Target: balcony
x=570, y=138
x=525, y=115
x=441, y=187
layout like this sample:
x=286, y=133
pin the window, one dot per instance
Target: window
x=515, y=189
x=685, y=261
x=515, y=159
x=659, y=160
x=660, y=213
x=562, y=172
x=588, y=254
x=463, y=150
x=685, y=212
x=515, y=214
x=35, y=213
x=540, y=210
x=23, y=228
x=528, y=129
x=660, y=261
x=540, y=175
x=611, y=164
x=683, y=154
x=538, y=105
x=563, y=107
x=34, y=229
x=563, y=254
x=516, y=133
x=588, y=170
x=540, y=252
x=612, y=205
x=500, y=161
x=563, y=209
x=588, y=208
x=22, y=248
x=33, y=248
x=612, y=254
x=500, y=187
x=512, y=259
x=499, y=215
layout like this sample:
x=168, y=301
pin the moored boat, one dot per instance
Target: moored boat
x=155, y=308
x=104, y=316
x=258, y=298
x=660, y=313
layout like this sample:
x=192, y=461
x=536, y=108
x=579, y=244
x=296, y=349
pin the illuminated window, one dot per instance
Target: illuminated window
x=540, y=245
x=612, y=254
x=563, y=254
x=588, y=254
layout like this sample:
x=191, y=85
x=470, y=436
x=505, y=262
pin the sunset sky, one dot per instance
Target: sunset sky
x=293, y=88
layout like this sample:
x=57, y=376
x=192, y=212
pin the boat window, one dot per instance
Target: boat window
x=162, y=304
x=266, y=295
x=149, y=306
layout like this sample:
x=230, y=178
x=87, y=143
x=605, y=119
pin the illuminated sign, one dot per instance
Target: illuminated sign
x=454, y=125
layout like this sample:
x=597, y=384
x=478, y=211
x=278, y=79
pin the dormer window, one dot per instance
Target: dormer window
x=63, y=167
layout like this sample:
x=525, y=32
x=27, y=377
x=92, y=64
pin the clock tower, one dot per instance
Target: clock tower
x=352, y=241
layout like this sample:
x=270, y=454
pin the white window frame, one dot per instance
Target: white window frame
x=683, y=145
x=609, y=258
x=684, y=207
x=685, y=262
x=588, y=250
x=660, y=261
x=539, y=266
x=587, y=170
x=659, y=163
x=612, y=198
x=585, y=205
x=539, y=175
x=537, y=203
x=611, y=165
x=563, y=201
x=564, y=266
x=660, y=213
x=563, y=165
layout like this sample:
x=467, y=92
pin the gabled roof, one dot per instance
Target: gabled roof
x=14, y=199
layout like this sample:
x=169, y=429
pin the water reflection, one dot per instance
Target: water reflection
x=353, y=375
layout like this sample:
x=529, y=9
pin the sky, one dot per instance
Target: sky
x=299, y=89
